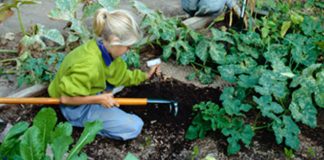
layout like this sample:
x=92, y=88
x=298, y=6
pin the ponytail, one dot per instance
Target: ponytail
x=118, y=23
x=100, y=20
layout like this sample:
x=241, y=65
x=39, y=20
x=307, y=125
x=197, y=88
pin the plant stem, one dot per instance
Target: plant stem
x=7, y=60
x=202, y=66
x=9, y=72
x=256, y=119
x=296, y=67
x=8, y=51
x=261, y=127
x=20, y=21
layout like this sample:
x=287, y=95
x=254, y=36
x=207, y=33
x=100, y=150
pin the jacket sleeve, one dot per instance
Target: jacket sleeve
x=78, y=80
x=119, y=75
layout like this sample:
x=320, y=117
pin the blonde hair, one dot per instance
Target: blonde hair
x=118, y=23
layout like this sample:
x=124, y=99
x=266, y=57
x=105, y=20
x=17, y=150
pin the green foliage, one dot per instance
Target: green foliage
x=5, y=10
x=211, y=117
x=288, y=129
x=237, y=131
x=11, y=141
x=289, y=153
x=268, y=108
x=38, y=70
x=31, y=143
x=37, y=37
x=89, y=134
x=31, y=147
x=66, y=10
x=133, y=58
x=130, y=156
x=232, y=101
x=277, y=70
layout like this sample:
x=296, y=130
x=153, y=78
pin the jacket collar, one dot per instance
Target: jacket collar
x=105, y=54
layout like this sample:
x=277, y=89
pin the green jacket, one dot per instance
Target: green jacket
x=83, y=72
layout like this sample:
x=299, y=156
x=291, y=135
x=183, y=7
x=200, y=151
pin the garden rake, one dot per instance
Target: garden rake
x=173, y=105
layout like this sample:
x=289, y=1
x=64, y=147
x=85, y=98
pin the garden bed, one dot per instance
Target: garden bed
x=163, y=134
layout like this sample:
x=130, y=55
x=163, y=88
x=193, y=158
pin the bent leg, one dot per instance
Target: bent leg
x=117, y=123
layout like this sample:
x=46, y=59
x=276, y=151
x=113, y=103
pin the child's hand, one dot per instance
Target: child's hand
x=107, y=100
x=154, y=70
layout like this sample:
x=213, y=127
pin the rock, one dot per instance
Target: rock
x=9, y=36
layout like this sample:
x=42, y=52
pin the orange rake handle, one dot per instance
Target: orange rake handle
x=42, y=100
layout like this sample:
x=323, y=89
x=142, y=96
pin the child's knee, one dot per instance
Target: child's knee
x=134, y=125
x=127, y=129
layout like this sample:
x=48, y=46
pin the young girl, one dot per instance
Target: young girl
x=89, y=70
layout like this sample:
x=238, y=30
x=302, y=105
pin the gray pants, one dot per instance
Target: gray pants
x=206, y=7
x=117, y=124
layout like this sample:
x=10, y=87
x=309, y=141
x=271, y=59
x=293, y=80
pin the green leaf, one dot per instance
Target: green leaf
x=209, y=117
x=167, y=51
x=60, y=146
x=109, y=4
x=306, y=79
x=311, y=26
x=272, y=84
x=265, y=32
x=193, y=131
x=82, y=156
x=141, y=7
x=133, y=58
x=64, y=10
x=237, y=132
x=228, y=72
x=130, y=156
x=247, y=50
x=184, y=52
x=87, y=136
x=268, y=107
x=280, y=68
x=61, y=139
x=221, y=36
x=284, y=28
x=206, y=76
x=296, y=18
x=275, y=52
x=288, y=129
x=90, y=9
x=302, y=108
x=72, y=38
x=186, y=58
x=54, y=35
x=251, y=38
x=191, y=76
x=201, y=50
x=248, y=81
x=45, y=121
x=232, y=102
x=12, y=138
x=319, y=94
x=217, y=52
x=31, y=147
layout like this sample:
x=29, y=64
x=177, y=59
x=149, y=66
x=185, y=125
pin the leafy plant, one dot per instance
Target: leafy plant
x=39, y=70
x=31, y=143
x=277, y=68
x=211, y=117
x=289, y=153
x=5, y=10
x=66, y=10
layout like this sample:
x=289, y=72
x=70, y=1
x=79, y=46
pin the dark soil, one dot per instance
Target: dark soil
x=161, y=125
